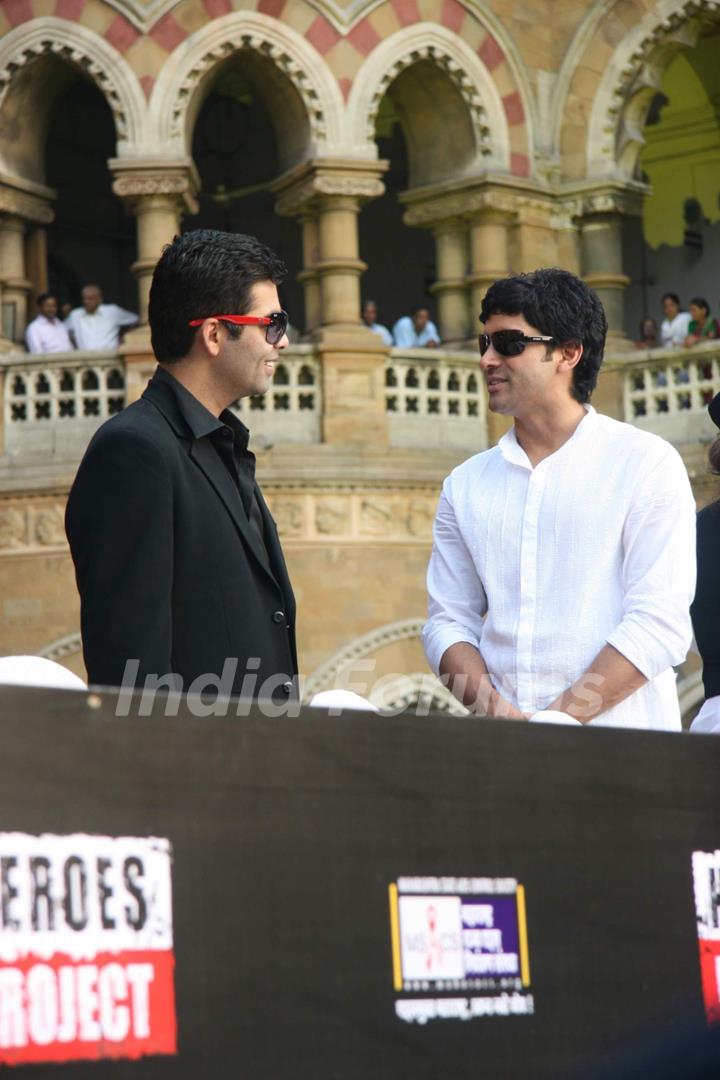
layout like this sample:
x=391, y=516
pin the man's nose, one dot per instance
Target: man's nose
x=489, y=359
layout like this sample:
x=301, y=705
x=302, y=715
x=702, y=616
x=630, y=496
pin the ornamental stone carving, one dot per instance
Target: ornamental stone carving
x=13, y=529
x=438, y=56
x=332, y=517
x=25, y=204
x=138, y=182
x=27, y=52
x=50, y=528
x=298, y=190
x=289, y=516
x=258, y=42
x=615, y=134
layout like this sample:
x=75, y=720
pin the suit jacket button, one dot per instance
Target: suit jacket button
x=279, y=616
x=287, y=688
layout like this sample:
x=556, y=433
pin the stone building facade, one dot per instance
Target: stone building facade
x=513, y=133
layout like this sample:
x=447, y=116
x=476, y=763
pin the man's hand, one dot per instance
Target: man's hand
x=609, y=680
x=467, y=677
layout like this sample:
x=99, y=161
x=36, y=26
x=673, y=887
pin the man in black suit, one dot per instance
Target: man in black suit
x=178, y=562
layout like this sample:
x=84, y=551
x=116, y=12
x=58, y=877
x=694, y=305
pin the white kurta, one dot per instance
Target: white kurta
x=540, y=567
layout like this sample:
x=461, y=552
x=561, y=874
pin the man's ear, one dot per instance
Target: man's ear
x=210, y=332
x=570, y=355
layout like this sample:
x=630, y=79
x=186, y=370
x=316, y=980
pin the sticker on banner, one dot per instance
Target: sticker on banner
x=462, y=944
x=706, y=882
x=86, y=948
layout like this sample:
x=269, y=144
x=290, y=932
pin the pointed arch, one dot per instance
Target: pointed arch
x=88, y=52
x=465, y=71
x=179, y=89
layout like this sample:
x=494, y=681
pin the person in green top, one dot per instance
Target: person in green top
x=703, y=326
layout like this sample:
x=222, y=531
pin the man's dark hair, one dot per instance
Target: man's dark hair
x=670, y=296
x=700, y=302
x=560, y=306
x=419, y=307
x=202, y=273
x=45, y=296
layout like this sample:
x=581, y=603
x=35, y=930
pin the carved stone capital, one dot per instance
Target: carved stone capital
x=303, y=190
x=25, y=204
x=465, y=202
x=603, y=199
x=136, y=182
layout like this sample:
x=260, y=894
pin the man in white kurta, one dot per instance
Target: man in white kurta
x=563, y=564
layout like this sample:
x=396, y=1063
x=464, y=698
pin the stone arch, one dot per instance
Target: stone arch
x=627, y=78
x=323, y=678
x=62, y=46
x=62, y=648
x=191, y=69
x=465, y=76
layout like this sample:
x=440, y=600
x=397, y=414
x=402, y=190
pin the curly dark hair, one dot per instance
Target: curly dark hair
x=201, y=273
x=561, y=306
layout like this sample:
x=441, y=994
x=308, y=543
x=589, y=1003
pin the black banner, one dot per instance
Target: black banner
x=352, y=897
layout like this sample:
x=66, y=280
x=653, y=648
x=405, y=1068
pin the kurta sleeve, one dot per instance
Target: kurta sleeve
x=456, y=598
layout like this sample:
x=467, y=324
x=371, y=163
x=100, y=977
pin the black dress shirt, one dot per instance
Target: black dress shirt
x=230, y=439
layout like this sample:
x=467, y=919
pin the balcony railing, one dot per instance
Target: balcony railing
x=435, y=398
x=54, y=402
x=668, y=390
x=292, y=408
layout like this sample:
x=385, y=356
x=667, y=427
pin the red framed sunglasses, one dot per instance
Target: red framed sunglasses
x=275, y=323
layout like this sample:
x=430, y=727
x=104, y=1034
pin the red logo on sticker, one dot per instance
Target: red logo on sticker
x=86, y=948
x=706, y=882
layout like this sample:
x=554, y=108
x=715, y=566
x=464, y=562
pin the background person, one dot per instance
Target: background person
x=369, y=317
x=177, y=558
x=706, y=605
x=674, y=327
x=97, y=325
x=47, y=333
x=703, y=326
x=648, y=335
x=562, y=567
x=416, y=330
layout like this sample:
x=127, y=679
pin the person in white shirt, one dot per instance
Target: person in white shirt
x=369, y=317
x=97, y=325
x=416, y=330
x=563, y=563
x=46, y=333
x=675, y=326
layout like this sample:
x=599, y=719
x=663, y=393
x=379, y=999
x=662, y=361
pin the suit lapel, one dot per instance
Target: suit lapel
x=205, y=457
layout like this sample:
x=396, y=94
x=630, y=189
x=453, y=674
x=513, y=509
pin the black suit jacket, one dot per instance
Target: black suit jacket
x=170, y=572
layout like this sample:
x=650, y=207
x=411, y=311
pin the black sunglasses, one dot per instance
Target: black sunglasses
x=275, y=323
x=509, y=342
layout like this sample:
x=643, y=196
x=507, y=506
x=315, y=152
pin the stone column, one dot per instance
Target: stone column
x=308, y=276
x=600, y=214
x=22, y=203
x=451, y=267
x=489, y=255
x=601, y=260
x=158, y=194
x=15, y=287
x=328, y=194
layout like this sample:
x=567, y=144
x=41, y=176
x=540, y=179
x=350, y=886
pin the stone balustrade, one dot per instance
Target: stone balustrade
x=53, y=402
x=435, y=398
x=667, y=391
